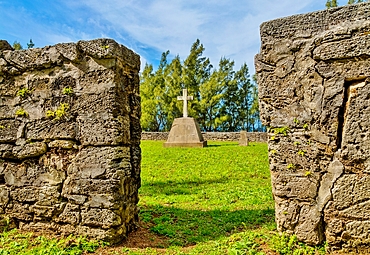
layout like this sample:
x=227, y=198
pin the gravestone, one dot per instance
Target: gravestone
x=185, y=131
x=314, y=90
x=70, y=139
x=243, y=140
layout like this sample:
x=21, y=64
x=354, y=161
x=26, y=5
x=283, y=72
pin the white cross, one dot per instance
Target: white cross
x=185, y=98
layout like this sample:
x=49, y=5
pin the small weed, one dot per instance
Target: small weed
x=105, y=47
x=2, y=127
x=282, y=130
x=308, y=142
x=21, y=113
x=296, y=121
x=67, y=91
x=50, y=114
x=305, y=126
x=307, y=173
x=284, y=244
x=296, y=143
x=24, y=92
x=59, y=113
x=272, y=138
x=301, y=153
x=273, y=152
x=291, y=166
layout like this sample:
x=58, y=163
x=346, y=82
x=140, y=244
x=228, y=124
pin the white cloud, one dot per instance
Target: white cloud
x=149, y=27
x=226, y=28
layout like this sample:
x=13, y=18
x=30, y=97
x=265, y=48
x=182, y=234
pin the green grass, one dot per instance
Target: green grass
x=194, y=195
x=13, y=242
x=213, y=200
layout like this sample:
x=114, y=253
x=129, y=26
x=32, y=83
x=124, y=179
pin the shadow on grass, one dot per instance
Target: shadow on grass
x=187, y=227
x=157, y=186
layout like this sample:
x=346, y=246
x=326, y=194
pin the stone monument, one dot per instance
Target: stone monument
x=185, y=131
x=70, y=139
x=314, y=90
x=243, y=140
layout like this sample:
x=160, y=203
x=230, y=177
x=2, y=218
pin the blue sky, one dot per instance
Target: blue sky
x=149, y=27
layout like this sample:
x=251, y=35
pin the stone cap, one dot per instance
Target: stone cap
x=39, y=58
x=307, y=25
x=4, y=45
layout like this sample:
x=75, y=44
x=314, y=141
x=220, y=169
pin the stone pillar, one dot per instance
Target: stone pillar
x=70, y=138
x=314, y=89
x=243, y=140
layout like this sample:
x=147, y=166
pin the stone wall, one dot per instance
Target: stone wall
x=314, y=88
x=70, y=138
x=210, y=136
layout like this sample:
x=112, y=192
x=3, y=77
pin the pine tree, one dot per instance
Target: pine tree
x=196, y=70
x=224, y=100
x=30, y=44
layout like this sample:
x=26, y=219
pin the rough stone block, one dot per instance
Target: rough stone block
x=70, y=138
x=314, y=88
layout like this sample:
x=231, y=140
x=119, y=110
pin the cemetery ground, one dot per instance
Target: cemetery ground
x=213, y=200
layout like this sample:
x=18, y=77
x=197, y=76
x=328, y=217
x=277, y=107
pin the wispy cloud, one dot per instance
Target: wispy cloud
x=226, y=28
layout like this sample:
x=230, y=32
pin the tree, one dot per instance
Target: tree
x=212, y=93
x=30, y=44
x=331, y=3
x=17, y=45
x=148, y=103
x=224, y=99
x=196, y=70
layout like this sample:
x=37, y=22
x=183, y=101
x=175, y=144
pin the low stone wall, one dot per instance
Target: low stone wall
x=210, y=136
x=70, y=139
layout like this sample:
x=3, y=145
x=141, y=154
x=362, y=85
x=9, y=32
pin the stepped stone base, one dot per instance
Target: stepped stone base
x=185, y=132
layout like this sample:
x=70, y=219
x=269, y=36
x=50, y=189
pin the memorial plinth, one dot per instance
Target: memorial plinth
x=185, y=132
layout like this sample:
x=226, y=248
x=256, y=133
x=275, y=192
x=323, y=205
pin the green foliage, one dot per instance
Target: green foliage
x=291, y=166
x=50, y=114
x=17, y=46
x=13, y=242
x=301, y=153
x=296, y=121
x=305, y=126
x=281, y=130
x=24, y=92
x=30, y=45
x=21, y=113
x=224, y=99
x=59, y=113
x=331, y=3
x=67, y=91
x=307, y=173
x=284, y=244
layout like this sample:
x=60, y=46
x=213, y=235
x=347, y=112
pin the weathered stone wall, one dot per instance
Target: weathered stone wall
x=314, y=88
x=211, y=136
x=70, y=138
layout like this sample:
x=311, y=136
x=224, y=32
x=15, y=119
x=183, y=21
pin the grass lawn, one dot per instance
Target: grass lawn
x=213, y=200
x=193, y=195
